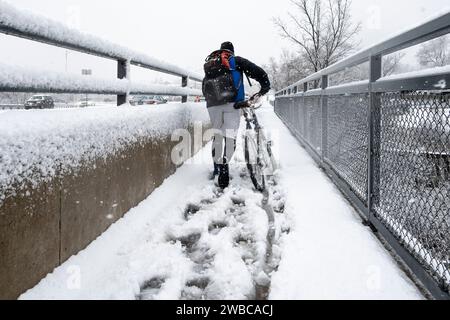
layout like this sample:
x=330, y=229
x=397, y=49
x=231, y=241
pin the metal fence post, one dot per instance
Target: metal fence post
x=374, y=119
x=324, y=102
x=304, y=113
x=122, y=73
x=184, y=84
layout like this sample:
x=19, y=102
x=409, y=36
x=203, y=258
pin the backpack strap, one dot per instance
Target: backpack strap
x=248, y=79
x=226, y=56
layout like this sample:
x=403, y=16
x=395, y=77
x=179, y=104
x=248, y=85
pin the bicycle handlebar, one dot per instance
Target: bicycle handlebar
x=248, y=103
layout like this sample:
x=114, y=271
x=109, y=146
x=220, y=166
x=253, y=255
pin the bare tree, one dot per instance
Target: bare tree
x=321, y=29
x=14, y=97
x=392, y=63
x=288, y=69
x=273, y=70
x=435, y=53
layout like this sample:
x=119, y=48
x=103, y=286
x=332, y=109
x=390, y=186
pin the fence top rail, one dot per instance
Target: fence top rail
x=38, y=28
x=31, y=80
x=435, y=27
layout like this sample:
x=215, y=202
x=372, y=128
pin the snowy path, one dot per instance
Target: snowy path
x=189, y=240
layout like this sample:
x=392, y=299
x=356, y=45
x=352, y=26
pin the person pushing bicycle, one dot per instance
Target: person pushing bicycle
x=223, y=88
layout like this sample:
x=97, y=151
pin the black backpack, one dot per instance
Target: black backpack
x=218, y=86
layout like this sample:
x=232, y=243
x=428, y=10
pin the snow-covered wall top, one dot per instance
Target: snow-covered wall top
x=16, y=77
x=27, y=23
x=35, y=145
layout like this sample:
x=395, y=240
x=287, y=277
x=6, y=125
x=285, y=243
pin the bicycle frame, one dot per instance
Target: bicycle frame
x=266, y=164
x=251, y=118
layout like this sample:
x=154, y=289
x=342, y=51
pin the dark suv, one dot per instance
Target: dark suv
x=40, y=102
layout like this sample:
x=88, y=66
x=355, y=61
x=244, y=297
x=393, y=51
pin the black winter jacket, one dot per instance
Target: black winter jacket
x=255, y=72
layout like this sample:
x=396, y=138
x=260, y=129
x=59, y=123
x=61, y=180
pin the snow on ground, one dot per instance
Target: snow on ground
x=189, y=240
x=35, y=144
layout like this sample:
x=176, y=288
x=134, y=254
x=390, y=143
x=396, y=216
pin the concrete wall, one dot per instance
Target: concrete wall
x=59, y=218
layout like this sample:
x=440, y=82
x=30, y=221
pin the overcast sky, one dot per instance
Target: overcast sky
x=184, y=32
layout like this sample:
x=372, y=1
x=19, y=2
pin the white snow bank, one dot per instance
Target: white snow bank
x=38, y=25
x=329, y=254
x=13, y=77
x=35, y=144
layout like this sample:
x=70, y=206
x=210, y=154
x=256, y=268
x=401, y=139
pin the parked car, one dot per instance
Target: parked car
x=40, y=102
x=147, y=100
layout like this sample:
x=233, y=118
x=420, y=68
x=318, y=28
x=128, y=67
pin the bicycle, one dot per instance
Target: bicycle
x=260, y=160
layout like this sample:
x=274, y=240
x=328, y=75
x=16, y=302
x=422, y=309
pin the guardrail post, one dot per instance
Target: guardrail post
x=184, y=84
x=324, y=102
x=374, y=118
x=122, y=73
x=304, y=113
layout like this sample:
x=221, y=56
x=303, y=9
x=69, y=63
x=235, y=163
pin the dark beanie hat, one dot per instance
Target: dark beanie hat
x=227, y=46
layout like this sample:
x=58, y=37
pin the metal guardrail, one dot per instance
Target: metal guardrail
x=386, y=145
x=11, y=106
x=41, y=29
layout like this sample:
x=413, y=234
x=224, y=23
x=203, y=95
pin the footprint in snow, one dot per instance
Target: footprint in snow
x=195, y=289
x=150, y=288
x=191, y=210
x=216, y=227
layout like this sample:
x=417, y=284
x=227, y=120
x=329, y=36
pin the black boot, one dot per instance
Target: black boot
x=215, y=173
x=224, y=176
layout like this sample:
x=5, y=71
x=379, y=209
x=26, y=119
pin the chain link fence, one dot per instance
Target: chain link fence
x=410, y=164
x=414, y=184
x=348, y=140
x=385, y=142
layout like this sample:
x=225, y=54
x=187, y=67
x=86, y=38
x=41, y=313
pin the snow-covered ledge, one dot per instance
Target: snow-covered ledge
x=67, y=175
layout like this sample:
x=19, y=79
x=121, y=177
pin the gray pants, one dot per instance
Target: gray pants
x=225, y=121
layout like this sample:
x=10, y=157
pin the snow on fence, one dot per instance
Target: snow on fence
x=385, y=142
x=12, y=78
x=27, y=25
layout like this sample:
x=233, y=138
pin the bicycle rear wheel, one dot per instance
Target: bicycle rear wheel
x=252, y=158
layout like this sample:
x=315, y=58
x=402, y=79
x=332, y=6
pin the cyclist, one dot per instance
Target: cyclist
x=223, y=88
